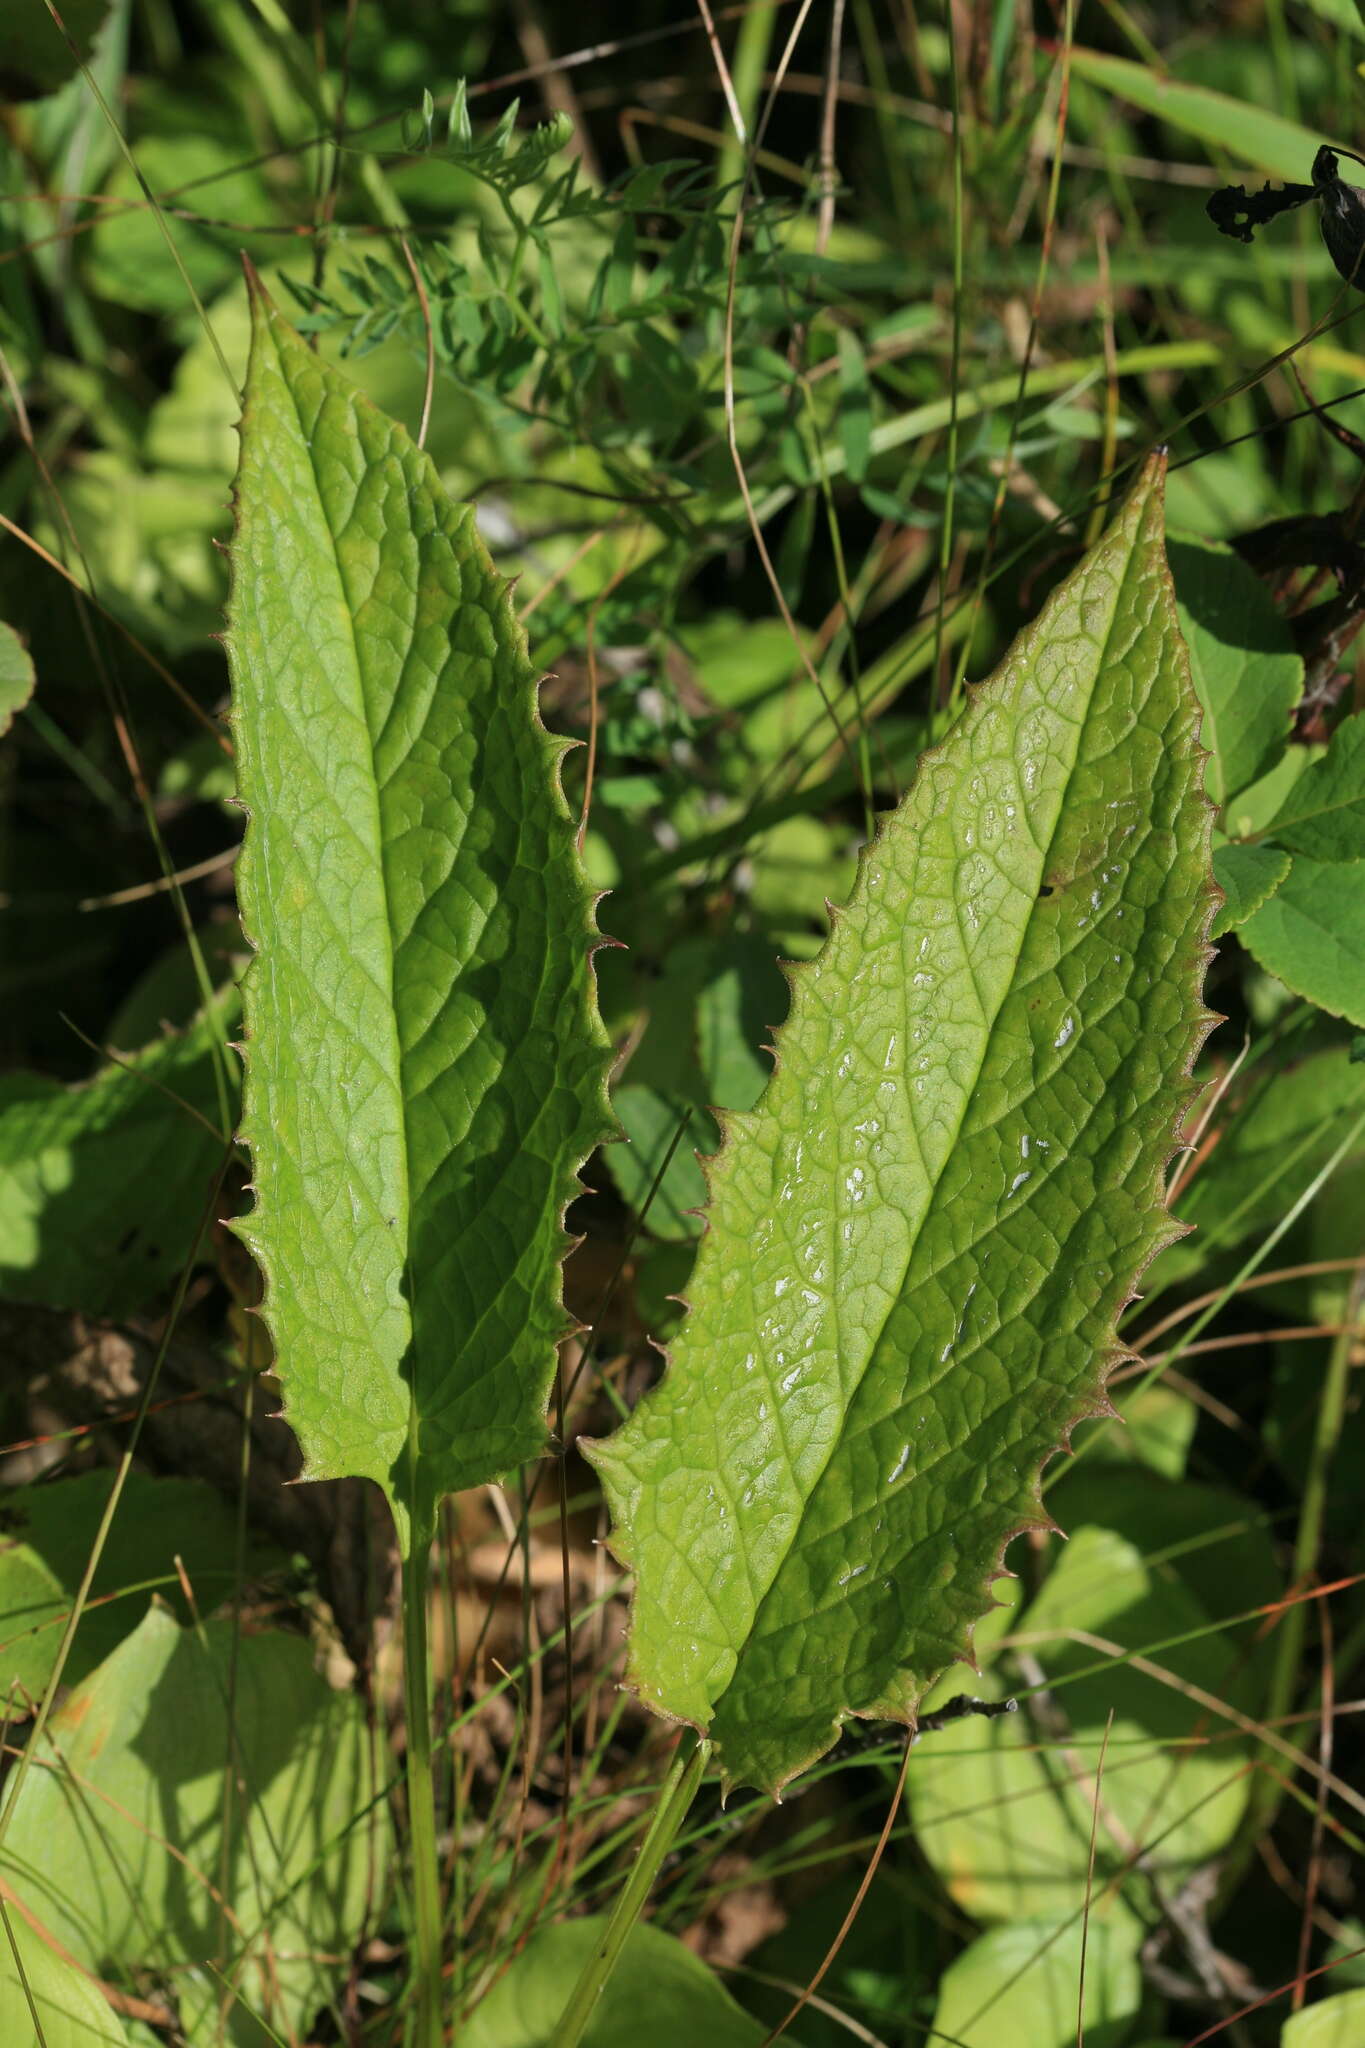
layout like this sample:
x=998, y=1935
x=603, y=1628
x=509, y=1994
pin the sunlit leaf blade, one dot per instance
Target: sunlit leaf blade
x=425, y=1064
x=920, y=1240
x=70, y=2008
x=1024, y=1983
x=1335, y=2023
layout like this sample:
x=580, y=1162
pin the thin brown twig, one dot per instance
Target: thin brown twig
x=732, y=423
x=326, y=215
x=1307, y=1271
x=565, y=569
x=131, y=2007
x=1224, y=1710
x=1194, y=1155
x=727, y=83
x=140, y=890
x=525, y=74
x=1202, y=176
x=855, y=1908
x=590, y=648
x=1290, y=1333
x=1030, y=344
x=559, y=95
x=1269, y=1997
x=127, y=1066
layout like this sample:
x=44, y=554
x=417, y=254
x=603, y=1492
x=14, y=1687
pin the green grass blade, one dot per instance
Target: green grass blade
x=1267, y=140
x=425, y=1064
x=921, y=1239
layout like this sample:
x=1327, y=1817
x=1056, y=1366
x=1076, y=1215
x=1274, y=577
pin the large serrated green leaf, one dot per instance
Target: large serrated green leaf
x=425, y=1064
x=920, y=1240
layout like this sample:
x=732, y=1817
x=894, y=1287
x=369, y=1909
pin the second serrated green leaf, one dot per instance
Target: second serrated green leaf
x=425, y=1064
x=920, y=1240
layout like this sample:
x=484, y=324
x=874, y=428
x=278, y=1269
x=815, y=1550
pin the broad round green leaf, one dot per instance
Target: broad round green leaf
x=1335, y=2023
x=1311, y=933
x=1246, y=670
x=16, y=676
x=1022, y=1984
x=1005, y=1823
x=117, y=1840
x=71, y=2011
x=1248, y=877
x=163, y=1526
x=1324, y=814
x=69, y=1236
x=658, y=1993
x=919, y=1241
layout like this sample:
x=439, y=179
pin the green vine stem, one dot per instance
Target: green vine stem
x=675, y=1799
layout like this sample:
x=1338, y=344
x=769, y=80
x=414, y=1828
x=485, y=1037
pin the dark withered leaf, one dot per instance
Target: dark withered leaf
x=1238, y=213
x=1235, y=212
x=1343, y=218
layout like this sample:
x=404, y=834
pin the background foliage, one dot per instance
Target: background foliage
x=771, y=496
